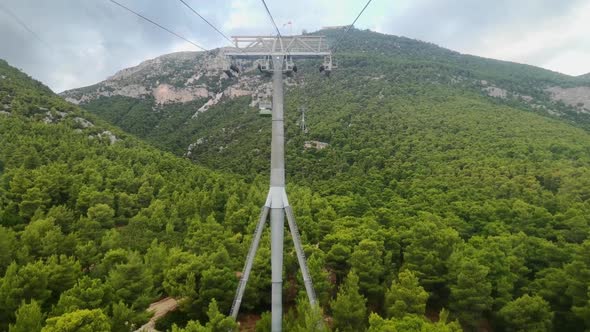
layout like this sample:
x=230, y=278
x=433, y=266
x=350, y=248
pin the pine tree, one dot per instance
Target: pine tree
x=584, y=311
x=22, y=283
x=405, y=296
x=527, y=314
x=79, y=321
x=7, y=248
x=337, y=260
x=412, y=324
x=349, y=308
x=88, y=293
x=470, y=291
x=319, y=275
x=29, y=318
x=304, y=318
x=132, y=282
x=218, y=322
x=367, y=262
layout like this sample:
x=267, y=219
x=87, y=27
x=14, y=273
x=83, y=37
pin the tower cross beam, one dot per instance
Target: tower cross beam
x=245, y=46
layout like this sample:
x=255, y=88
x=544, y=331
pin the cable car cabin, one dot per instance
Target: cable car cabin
x=334, y=63
x=328, y=65
x=289, y=66
x=232, y=70
x=228, y=73
x=265, y=113
x=235, y=68
x=265, y=107
x=264, y=65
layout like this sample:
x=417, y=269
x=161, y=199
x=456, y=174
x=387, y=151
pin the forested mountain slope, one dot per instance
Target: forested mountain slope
x=430, y=194
x=94, y=224
x=165, y=95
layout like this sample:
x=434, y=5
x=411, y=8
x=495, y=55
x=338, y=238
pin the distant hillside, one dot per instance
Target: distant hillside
x=166, y=100
x=163, y=96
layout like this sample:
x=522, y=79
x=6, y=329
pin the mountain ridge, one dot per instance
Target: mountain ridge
x=211, y=64
x=172, y=93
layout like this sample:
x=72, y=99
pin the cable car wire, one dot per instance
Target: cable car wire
x=271, y=18
x=336, y=44
x=275, y=25
x=212, y=26
x=24, y=26
x=206, y=21
x=158, y=25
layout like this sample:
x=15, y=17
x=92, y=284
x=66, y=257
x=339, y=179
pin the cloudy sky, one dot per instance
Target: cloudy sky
x=73, y=43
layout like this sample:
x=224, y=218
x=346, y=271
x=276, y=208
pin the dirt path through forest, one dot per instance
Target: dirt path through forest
x=160, y=309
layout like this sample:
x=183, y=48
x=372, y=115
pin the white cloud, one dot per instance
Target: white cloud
x=570, y=62
x=545, y=33
x=245, y=14
x=559, y=44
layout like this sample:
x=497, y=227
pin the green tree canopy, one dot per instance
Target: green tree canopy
x=470, y=291
x=405, y=296
x=79, y=321
x=349, y=308
x=527, y=314
x=29, y=318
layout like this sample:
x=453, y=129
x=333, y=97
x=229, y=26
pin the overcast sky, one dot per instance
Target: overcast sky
x=72, y=43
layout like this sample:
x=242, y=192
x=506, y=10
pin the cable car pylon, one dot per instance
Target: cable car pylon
x=302, y=124
x=278, y=52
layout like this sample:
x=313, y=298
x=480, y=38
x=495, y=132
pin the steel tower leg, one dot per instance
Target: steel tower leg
x=300, y=255
x=277, y=228
x=235, y=308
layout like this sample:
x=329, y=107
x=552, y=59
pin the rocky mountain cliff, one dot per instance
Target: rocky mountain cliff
x=177, y=78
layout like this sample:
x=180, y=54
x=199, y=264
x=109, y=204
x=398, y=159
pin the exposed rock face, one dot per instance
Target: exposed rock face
x=53, y=117
x=496, y=92
x=578, y=97
x=208, y=104
x=315, y=145
x=191, y=146
x=174, y=78
x=165, y=93
x=146, y=80
x=83, y=122
x=108, y=135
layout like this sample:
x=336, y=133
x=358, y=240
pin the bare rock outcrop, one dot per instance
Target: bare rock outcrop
x=165, y=93
x=175, y=78
x=578, y=97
